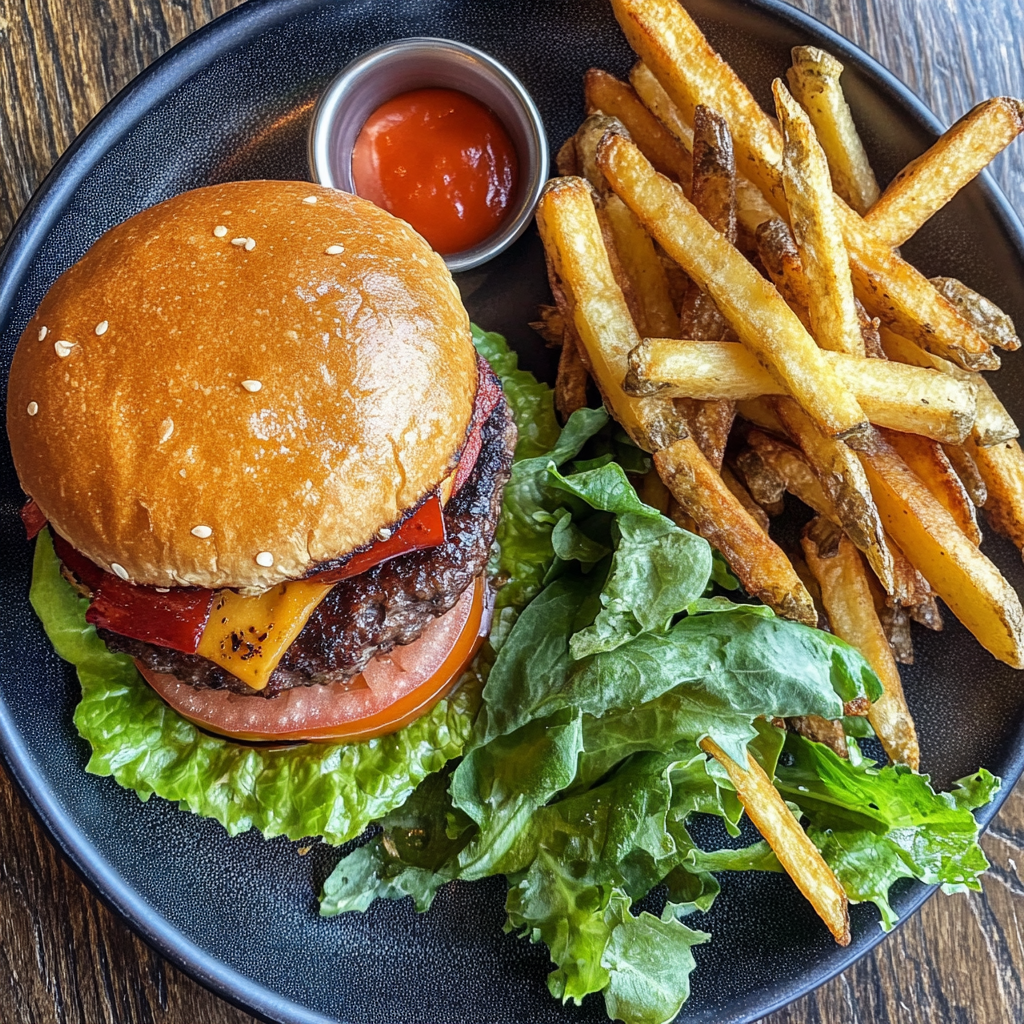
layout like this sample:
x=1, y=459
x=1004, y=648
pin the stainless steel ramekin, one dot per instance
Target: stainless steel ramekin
x=419, y=63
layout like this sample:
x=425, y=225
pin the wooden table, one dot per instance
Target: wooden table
x=63, y=957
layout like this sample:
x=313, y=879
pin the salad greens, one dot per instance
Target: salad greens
x=611, y=659
x=611, y=656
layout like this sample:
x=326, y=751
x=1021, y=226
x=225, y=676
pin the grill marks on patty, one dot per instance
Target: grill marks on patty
x=389, y=605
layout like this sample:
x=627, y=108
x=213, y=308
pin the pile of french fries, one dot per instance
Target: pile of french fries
x=732, y=286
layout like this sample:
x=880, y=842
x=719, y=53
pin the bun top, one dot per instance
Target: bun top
x=240, y=383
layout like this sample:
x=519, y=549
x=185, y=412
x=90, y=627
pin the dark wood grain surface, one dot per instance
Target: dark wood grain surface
x=65, y=958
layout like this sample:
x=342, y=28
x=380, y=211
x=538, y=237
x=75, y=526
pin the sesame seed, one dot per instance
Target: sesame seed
x=162, y=590
x=43, y=331
x=265, y=558
x=311, y=200
x=166, y=429
x=220, y=231
x=101, y=327
x=239, y=241
x=119, y=570
x=334, y=250
x=33, y=408
x=181, y=473
x=252, y=385
x=384, y=533
x=63, y=348
x=202, y=532
x=250, y=244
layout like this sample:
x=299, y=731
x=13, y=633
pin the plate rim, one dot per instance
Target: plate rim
x=107, y=127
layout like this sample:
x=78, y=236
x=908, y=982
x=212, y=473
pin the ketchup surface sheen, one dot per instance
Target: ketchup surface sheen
x=441, y=161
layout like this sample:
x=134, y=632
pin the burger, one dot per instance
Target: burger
x=269, y=456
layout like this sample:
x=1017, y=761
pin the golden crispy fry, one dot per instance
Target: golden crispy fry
x=992, y=424
x=903, y=299
x=751, y=206
x=754, y=309
x=647, y=294
x=993, y=323
x=766, y=488
x=574, y=243
x=926, y=184
x=892, y=394
x=845, y=484
x=826, y=266
x=743, y=496
x=1002, y=468
x=758, y=562
x=646, y=272
x=927, y=459
x=962, y=576
x=669, y=43
x=604, y=93
x=967, y=469
x=911, y=588
x=672, y=46
x=653, y=492
x=783, y=833
x=814, y=81
x=846, y=593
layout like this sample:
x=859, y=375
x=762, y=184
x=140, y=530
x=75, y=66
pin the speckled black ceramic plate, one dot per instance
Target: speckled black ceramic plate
x=234, y=101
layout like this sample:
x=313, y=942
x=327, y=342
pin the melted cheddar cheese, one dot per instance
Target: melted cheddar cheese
x=247, y=636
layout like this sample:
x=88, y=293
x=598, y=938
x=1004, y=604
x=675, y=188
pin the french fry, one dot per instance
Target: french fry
x=606, y=94
x=904, y=300
x=926, y=613
x=987, y=317
x=572, y=376
x=790, y=467
x=565, y=158
x=648, y=294
x=896, y=624
x=992, y=424
x=892, y=394
x=657, y=314
x=821, y=730
x=1002, y=468
x=967, y=469
x=927, y=459
x=574, y=243
x=826, y=265
x=754, y=309
x=846, y=593
x=845, y=484
x=962, y=576
x=784, y=834
x=757, y=561
x=761, y=413
x=781, y=258
x=743, y=497
x=766, y=488
x=714, y=196
x=814, y=82
x=926, y=184
x=671, y=45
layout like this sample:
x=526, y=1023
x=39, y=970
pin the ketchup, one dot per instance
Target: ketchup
x=441, y=161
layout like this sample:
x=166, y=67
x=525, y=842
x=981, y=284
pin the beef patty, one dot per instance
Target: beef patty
x=388, y=605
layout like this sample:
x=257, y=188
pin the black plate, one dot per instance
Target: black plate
x=233, y=101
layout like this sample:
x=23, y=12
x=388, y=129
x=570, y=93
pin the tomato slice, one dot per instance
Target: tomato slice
x=393, y=690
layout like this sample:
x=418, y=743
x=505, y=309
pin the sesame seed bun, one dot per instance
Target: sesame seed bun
x=241, y=383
